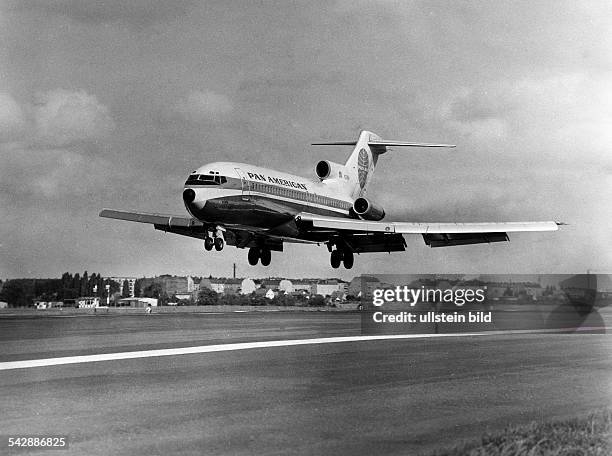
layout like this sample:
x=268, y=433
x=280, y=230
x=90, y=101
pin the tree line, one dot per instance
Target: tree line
x=23, y=292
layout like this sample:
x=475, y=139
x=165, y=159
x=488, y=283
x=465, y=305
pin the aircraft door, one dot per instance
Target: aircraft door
x=246, y=185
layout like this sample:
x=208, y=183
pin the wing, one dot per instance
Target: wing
x=434, y=234
x=162, y=220
x=187, y=226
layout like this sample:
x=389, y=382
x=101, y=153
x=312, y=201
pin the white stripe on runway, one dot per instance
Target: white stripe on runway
x=25, y=364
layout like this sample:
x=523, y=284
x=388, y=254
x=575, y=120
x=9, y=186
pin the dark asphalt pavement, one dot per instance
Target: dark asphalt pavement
x=368, y=397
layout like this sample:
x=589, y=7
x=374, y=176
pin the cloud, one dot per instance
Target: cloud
x=49, y=139
x=204, y=105
x=478, y=113
x=561, y=113
x=57, y=118
x=62, y=117
x=12, y=119
x=137, y=13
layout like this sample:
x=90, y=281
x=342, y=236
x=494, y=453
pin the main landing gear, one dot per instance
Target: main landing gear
x=262, y=254
x=215, y=240
x=341, y=256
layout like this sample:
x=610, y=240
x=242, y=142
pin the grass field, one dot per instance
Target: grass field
x=589, y=436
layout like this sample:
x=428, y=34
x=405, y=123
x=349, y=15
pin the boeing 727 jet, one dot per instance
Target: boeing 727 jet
x=261, y=209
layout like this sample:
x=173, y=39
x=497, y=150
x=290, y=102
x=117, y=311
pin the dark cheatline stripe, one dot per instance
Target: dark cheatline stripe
x=299, y=207
x=275, y=191
x=258, y=202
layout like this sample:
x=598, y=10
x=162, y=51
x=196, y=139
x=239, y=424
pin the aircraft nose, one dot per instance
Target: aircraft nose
x=188, y=195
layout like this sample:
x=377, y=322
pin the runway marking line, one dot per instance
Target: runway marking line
x=45, y=362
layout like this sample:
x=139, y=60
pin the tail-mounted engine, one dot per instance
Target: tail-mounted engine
x=329, y=170
x=368, y=210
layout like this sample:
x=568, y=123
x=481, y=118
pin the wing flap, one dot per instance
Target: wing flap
x=447, y=239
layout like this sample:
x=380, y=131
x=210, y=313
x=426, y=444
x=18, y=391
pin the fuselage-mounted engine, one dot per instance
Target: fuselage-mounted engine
x=329, y=170
x=368, y=210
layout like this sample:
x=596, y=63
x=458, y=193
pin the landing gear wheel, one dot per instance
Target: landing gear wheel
x=219, y=244
x=348, y=259
x=253, y=256
x=208, y=243
x=265, y=256
x=335, y=259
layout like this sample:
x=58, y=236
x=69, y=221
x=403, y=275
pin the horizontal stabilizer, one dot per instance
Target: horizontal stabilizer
x=406, y=144
x=336, y=143
x=383, y=143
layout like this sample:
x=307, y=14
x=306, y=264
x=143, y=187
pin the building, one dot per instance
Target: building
x=354, y=288
x=137, y=302
x=508, y=290
x=48, y=304
x=216, y=285
x=88, y=302
x=327, y=287
x=225, y=286
x=171, y=285
x=196, y=284
x=274, y=284
x=130, y=280
x=177, y=284
x=301, y=285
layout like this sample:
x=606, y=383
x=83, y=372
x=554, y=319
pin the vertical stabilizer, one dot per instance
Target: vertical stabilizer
x=361, y=163
x=359, y=167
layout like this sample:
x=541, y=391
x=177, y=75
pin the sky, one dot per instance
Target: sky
x=113, y=104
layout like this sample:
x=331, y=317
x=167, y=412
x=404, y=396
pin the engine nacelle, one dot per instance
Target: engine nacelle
x=328, y=170
x=368, y=210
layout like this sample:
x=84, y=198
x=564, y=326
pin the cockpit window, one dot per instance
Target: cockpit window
x=205, y=179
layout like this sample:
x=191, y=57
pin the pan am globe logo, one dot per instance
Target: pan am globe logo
x=363, y=163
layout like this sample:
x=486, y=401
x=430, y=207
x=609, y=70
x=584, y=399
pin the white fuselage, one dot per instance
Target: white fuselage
x=238, y=193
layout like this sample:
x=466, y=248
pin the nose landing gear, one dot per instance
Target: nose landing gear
x=215, y=240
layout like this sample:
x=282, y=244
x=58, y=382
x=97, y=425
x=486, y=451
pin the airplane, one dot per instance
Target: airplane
x=261, y=209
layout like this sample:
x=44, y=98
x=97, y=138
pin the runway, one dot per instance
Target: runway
x=366, y=397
